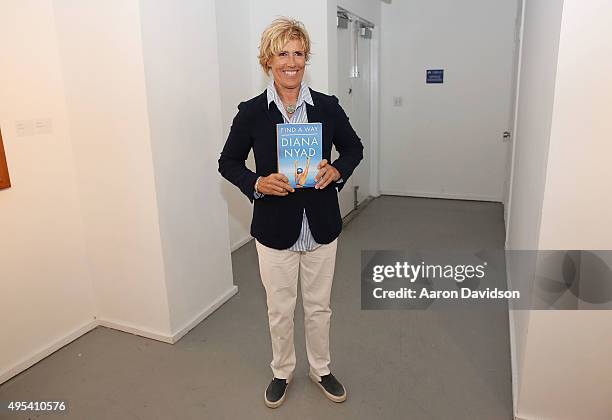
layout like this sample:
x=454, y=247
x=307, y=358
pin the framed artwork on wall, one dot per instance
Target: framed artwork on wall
x=5, y=181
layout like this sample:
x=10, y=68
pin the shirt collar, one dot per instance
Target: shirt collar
x=303, y=96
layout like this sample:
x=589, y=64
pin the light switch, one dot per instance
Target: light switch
x=43, y=126
x=397, y=101
x=24, y=128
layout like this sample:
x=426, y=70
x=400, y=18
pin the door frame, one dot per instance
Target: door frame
x=520, y=24
x=373, y=182
x=516, y=77
x=374, y=111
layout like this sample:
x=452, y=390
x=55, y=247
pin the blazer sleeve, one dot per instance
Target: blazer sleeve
x=347, y=144
x=235, y=152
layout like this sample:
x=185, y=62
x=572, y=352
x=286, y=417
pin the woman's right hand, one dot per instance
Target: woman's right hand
x=274, y=184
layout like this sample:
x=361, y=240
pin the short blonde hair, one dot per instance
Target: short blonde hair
x=276, y=36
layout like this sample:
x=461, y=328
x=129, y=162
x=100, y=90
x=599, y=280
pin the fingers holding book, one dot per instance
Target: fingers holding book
x=327, y=173
x=275, y=184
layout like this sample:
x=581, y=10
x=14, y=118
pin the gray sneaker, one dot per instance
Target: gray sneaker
x=331, y=387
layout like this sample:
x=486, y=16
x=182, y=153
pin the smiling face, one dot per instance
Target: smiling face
x=288, y=65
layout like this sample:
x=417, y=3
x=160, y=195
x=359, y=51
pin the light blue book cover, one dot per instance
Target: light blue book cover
x=299, y=152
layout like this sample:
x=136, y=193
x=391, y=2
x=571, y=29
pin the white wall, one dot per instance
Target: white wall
x=446, y=139
x=183, y=102
x=116, y=217
x=236, y=56
x=558, y=201
x=107, y=104
x=46, y=297
x=566, y=371
x=579, y=171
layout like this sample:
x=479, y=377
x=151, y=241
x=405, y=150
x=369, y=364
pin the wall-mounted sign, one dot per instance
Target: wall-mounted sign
x=5, y=181
x=435, y=76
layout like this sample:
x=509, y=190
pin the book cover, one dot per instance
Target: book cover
x=299, y=152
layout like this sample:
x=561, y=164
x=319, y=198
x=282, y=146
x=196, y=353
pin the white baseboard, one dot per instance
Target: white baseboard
x=205, y=313
x=120, y=326
x=513, y=361
x=171, y=338
x=241, y=242
x=452, y=196
x=136, y=330
x=37, y=356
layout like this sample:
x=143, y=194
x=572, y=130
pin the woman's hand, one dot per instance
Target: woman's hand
x=327, y=173
x=274, y=184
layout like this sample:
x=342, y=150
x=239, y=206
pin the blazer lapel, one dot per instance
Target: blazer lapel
x=314, y=113
x=273, y=113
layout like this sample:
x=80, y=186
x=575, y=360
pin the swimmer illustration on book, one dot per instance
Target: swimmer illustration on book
x=300, y=173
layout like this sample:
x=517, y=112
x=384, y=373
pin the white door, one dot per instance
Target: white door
x=446, y=139
x=354, y=96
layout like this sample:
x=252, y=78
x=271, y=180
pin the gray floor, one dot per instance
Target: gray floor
x=395, y=364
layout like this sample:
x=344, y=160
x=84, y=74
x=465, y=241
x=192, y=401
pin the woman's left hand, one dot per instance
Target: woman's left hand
x=327, y=173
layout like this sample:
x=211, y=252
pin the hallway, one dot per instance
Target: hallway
x=395, y=364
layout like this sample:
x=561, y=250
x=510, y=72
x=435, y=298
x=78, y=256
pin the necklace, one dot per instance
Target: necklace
x=290, y=108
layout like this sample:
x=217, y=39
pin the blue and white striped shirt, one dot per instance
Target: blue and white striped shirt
x=305, y=241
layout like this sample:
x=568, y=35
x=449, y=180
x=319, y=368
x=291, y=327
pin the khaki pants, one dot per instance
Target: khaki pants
x=279, y=271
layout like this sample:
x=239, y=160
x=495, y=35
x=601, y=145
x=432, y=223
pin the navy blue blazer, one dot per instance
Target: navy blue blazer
x=277, y=220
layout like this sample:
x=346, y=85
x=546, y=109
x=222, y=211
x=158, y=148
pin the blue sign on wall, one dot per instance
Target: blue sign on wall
x=435, y=76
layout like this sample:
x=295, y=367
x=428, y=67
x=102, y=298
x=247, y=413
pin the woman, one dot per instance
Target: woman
x=296, y=230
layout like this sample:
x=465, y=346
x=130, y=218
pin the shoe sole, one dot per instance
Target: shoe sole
x=332, y=397
x=275, y=404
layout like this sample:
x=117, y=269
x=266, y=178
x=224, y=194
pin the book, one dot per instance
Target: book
x=299, y=149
